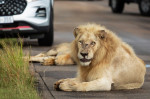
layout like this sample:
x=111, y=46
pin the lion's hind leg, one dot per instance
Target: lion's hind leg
x=36, y=59
x=52, y=52
x=128, y=86
x=64, y=59
x=39, y=55
x=47, y=60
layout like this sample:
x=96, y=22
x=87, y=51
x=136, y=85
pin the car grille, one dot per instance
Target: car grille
x=12, y=7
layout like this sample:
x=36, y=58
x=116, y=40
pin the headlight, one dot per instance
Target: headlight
x=31, y=0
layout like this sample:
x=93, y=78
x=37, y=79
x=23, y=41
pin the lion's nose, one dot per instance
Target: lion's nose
x=84, y=54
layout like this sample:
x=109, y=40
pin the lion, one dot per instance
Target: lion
x=104, y=62
x=58, y=55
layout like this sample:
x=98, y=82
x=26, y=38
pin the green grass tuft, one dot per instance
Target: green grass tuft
x=16, y=82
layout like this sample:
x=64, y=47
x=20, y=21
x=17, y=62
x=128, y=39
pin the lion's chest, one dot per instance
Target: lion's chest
x=90, y=74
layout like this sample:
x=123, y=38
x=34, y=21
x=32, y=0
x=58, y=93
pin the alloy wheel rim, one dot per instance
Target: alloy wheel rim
x=114, y=3
x=145, y=5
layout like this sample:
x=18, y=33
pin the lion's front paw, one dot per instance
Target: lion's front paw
x=48, y=61
x=65, y=85
x=56, y=84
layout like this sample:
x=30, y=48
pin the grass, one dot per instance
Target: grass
x=16, y=81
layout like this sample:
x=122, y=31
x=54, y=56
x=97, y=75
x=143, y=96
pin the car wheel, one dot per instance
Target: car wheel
x=117, y=6
x=48, y=36
x=144, y=7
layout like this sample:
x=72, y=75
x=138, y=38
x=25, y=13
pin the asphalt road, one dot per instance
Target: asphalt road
x=130, y=26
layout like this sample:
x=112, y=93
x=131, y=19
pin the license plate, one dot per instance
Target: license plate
x=6, y=19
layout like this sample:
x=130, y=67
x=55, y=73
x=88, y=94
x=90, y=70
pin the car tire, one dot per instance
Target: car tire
x=49, y=35
x=144, y=7
x=117, y=6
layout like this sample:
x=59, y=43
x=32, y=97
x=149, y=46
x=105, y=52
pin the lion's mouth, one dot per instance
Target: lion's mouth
x=85, y=60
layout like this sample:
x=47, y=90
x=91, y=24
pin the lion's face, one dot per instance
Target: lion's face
x=89, y=41
x=87, y=46
x=93, y=44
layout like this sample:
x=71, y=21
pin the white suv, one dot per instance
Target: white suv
x=27, y=18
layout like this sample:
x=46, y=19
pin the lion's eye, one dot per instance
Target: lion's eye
x=93, y=43
x=80, y=42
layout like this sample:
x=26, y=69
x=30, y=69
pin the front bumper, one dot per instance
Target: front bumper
x=35, y=17
x=30, y=13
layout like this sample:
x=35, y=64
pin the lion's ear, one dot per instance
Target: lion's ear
x=102, y=34
x=76, y=32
